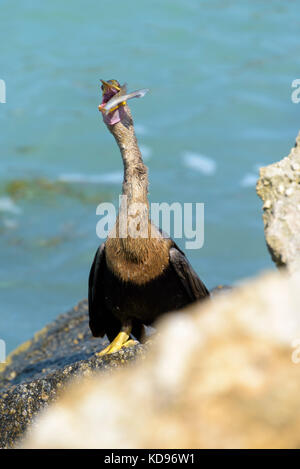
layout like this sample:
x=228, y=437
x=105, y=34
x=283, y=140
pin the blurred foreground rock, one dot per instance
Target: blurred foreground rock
x=222, y=375
x=278, y=187
x=36, y=372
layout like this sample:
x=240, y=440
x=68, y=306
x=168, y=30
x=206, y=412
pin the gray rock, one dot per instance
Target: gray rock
x=36, y=372
x=278, y=187
x=223, y=374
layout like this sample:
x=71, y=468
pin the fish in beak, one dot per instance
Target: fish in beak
x=114, y=97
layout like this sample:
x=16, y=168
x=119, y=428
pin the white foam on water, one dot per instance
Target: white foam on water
x=249, y=180
x=146, y=152
x=109, y=178
x=8, y=205
x=198, y=162
x=257, y=166
x=141, y=129
x=10, y=224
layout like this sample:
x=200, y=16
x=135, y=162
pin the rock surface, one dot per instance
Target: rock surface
x=36, y=372
x=278, y=187
x=223, y=374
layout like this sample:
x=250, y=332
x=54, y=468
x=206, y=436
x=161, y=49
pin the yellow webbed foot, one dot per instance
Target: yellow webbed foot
x=130, y=343
x=119, y=342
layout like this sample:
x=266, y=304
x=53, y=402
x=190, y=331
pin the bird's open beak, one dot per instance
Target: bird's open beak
x=108, y=86
x=108, y=91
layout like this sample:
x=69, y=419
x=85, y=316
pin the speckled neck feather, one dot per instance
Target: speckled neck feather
x=135, y=183
x=136, y=259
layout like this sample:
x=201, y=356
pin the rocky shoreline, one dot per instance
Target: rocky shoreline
x=221, y=375
x=36, y=372
x=278, y=187
x=247, y=403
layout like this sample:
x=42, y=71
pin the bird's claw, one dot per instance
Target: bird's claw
x=119, y=342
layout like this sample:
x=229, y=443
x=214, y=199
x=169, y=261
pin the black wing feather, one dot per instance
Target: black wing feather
x=95, y=303
x=192, y=284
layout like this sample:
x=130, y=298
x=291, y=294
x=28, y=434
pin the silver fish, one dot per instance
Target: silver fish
x=122, y=96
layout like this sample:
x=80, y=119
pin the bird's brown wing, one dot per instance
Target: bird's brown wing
x=194, y=287
x=95, y=294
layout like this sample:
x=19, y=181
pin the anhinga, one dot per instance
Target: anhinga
x=137, y=277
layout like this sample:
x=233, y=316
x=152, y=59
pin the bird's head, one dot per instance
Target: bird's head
x=109, y=89
x=114, y=97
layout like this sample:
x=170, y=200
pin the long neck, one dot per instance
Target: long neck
x=135, y=182
x=132, y=242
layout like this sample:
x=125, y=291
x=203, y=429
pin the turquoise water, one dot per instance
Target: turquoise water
x=220, y=76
